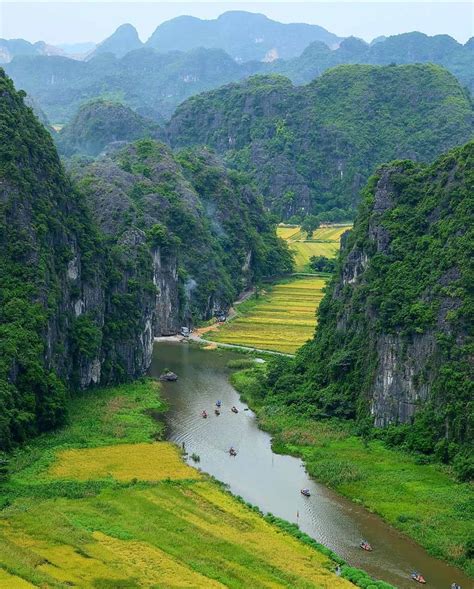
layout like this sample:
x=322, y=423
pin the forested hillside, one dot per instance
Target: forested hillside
x=187, y=203
x=394, y=337
x=99, y=123
x=91, y=270
x=151, y=83
x=311, y=148
x=181, y=60
x=412, y=47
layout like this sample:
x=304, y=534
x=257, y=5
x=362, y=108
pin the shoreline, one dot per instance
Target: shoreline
x=275, y=426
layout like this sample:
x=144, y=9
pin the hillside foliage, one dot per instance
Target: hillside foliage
x=80, y=260
x=311, y=148
x=99, y=123
x=183, y=58
x=403, y=287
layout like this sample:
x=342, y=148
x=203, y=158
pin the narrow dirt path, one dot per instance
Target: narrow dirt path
x=200, y=340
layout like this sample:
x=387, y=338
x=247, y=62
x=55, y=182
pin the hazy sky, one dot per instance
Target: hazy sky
x=65, y=22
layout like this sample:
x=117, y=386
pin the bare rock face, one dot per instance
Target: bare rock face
x=398, y=389
x=165, y=278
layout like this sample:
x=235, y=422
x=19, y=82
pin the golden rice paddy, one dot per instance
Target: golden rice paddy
x=325, y=241
x=146, y=462
x=193, y=536
x=281, y=319
x=126, y=513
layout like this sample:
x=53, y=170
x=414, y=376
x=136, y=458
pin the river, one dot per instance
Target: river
x=272, y=481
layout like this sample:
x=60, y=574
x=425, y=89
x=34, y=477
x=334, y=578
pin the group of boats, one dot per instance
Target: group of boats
x=418, y=577
x=217, y=410
x=364, y=545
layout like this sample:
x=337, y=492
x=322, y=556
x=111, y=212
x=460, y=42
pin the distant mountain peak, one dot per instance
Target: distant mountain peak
x=353, y=44
x=124, y=39
x=245, y=36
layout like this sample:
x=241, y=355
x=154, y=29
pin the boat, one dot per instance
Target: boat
x=365, y=546
x=168, y=376
x=204, y=414
x=456, y=586
x=418, y=577
x=234, y=409
x=218, y=403
x=217, y=412
x=232, y=452
x=306, y=492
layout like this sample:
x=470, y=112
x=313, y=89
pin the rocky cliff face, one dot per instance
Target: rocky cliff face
x=76, y=308
x=394, y=330
x=208, y=234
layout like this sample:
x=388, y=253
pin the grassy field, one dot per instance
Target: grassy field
x=282, y=318
x=325, y=241
x=422, y=500
x=101, y=504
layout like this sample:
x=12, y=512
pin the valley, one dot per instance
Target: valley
x=281, y=316
x=236, y=305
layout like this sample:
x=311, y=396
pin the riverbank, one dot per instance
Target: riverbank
x=104, y=503
x=421, y=500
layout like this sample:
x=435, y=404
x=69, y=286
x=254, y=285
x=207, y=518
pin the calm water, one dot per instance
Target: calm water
x=273, y=482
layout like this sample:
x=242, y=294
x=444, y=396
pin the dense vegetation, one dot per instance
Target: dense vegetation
x=43, y=224
x=411, y=47
x=188, y=203
x=90, y=273
x=151, y=83
x=100, y=122
x=311, y=148
x=154, y=82
x=394, y=337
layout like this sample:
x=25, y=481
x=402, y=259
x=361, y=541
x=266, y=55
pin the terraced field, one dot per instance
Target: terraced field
x=281, y=319
x=101, y=505
x=324, y=242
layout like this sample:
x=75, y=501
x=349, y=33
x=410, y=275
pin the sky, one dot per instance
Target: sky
x=69, y=22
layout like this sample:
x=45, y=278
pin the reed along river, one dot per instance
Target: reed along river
x=272, y=481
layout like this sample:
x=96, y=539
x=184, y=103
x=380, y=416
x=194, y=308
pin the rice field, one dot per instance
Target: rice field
x=145, y=462
x=282, y=319
x=63, y=524
x=324, y=242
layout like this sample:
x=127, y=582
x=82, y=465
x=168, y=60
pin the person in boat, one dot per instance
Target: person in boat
x=204, y=413
x=455, y=586
x=418, y=577
x=218, y=403
x=234, y=409
x=305, y=492
x=232, y=451
x=365, y=545
x=217, y=412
